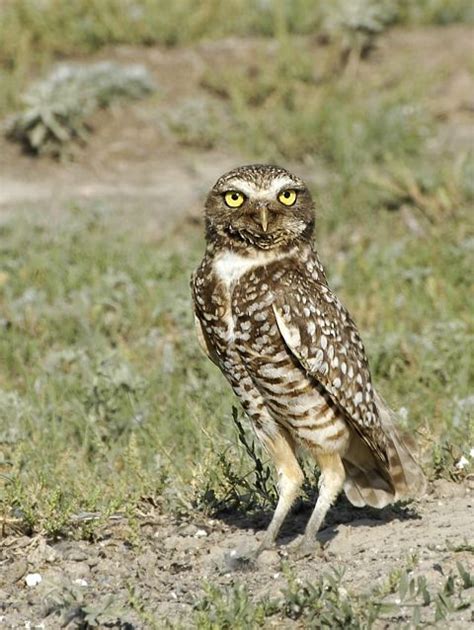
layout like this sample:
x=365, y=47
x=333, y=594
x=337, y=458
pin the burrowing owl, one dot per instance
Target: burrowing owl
x=290, y=350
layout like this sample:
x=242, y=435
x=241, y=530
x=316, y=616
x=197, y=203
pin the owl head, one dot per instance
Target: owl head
x=259, y=205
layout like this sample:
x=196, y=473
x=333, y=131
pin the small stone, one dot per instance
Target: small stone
x=189, y=530
x=16, y=571
x=462, y=463
x=33, y=579
x=200, y=533
x=268, y=557
x=81, y=582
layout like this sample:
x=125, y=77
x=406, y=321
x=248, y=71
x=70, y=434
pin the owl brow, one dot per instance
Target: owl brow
x=296, y=187
x=236, y=186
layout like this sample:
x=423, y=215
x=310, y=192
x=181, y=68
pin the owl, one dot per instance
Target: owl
x=266, y=316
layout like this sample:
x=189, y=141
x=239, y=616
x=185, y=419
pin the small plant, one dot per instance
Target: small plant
x=416, y=602
x=230, y=609
x=70, y=605
x=327, y=603
x=262, y=476
x=197, y=123
x=56, y=110
x=355, y=24
x=226, y=483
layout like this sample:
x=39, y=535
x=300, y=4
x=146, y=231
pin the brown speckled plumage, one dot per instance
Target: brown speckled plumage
x=291, y=352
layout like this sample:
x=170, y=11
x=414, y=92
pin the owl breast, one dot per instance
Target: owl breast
x=251, y=350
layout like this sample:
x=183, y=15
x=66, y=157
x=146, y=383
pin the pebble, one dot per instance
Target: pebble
x=268, y=557
x=33, y=579
x=16, y=571
x=81, y=582
x=189, y=530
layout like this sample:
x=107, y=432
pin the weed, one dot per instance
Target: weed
x=56, y=109
x=262, y=473
x=229, y=609
x=197, y=123
x=355, y=25
x=69, y=605
x=327, y=603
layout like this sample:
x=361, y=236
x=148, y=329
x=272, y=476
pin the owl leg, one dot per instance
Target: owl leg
x=330, y=484
x=290, y=478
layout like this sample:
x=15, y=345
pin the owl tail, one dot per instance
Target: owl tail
x=368, y=482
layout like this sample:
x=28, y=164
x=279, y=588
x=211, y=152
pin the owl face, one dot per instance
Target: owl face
x=261, y=205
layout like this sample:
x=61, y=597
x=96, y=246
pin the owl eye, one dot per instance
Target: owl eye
x=234, y=199
x=287, y=197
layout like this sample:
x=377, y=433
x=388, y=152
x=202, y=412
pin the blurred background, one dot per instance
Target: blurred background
x=117, y=117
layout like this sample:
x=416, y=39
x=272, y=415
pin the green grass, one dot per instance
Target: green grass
x=101, y=369
x=94, y=355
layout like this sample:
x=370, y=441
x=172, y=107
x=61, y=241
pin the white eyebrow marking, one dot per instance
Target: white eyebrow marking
x=250, y=189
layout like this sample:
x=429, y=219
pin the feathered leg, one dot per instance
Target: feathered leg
x=290, y=477
x=331, y=483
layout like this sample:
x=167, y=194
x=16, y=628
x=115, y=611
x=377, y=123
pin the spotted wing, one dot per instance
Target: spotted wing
x=201, y=334
x=324, y=340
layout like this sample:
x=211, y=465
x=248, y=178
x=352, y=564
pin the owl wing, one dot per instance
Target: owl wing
x=324, y=340
x=202, y=336
x=203, y=340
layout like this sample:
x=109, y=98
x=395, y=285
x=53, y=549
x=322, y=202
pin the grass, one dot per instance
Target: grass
x=102, y=372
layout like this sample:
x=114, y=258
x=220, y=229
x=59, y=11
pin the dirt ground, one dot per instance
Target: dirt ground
x=168, y=567
x=133, y=160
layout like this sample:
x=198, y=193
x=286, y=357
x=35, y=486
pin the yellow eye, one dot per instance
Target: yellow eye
x=287, y=197
x=234, y=199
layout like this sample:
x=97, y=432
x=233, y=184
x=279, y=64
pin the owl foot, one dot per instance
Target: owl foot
x=244, y=559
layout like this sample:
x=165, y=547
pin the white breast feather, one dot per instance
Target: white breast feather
x=230, y=266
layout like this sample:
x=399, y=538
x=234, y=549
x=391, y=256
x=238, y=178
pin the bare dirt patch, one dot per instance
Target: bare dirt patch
x=163, y=567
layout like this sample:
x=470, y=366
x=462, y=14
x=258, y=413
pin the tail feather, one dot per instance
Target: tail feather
x=407, y=476
x=370, y=483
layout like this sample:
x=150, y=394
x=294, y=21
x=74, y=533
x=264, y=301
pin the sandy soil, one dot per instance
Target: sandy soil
x=171, y=560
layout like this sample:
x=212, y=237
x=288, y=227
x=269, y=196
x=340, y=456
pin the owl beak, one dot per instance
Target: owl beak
x=264, y=218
